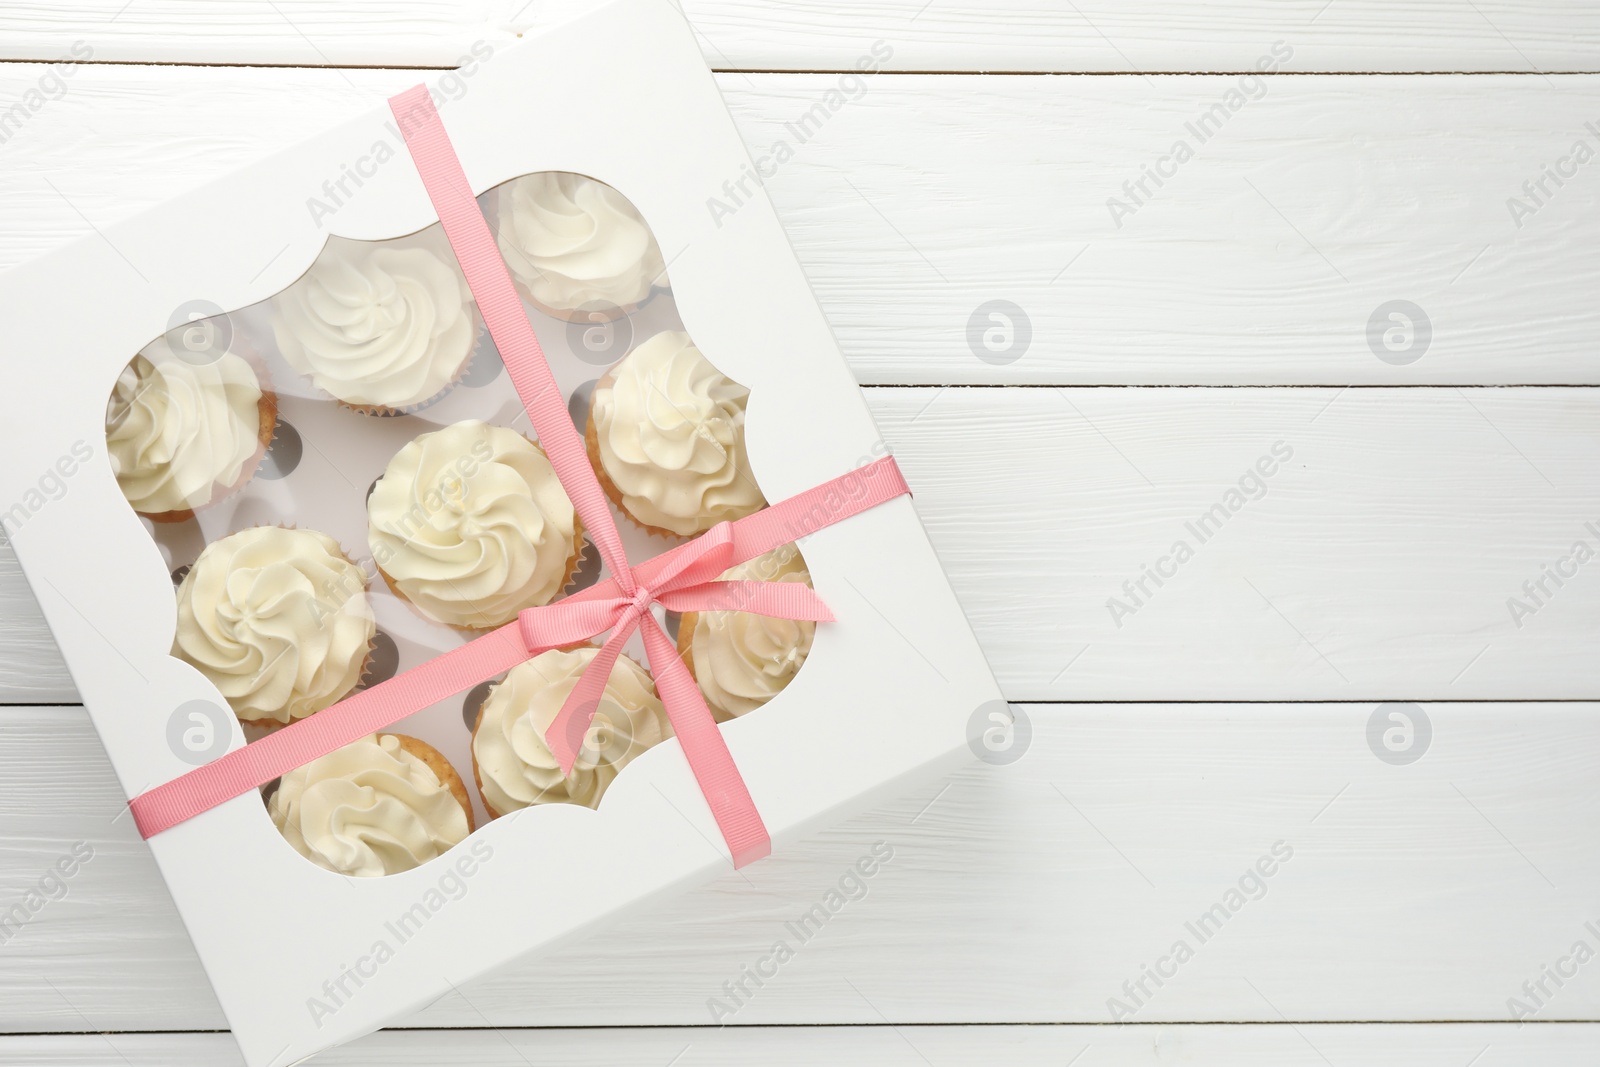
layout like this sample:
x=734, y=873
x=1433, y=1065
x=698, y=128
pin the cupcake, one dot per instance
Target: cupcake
x=577, y=248
x=182, y=434
x=740, y=659
x=513, y=765
x=666, y=438
x=277, y=620
x=470, y=525
x=382, y=327
x=377, y=806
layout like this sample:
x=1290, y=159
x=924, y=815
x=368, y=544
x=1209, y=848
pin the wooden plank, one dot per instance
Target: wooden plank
x=1380, y=561
x=1017, y=35
x=1429, y=891
x=1261, y=261
x=1383, y=561
x=1420, y=1045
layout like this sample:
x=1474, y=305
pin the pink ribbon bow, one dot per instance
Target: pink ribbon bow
x=686, y=583
x=685, y=578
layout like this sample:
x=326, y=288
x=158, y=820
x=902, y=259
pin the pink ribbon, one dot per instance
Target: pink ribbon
x=684, y=578
x=686, y=583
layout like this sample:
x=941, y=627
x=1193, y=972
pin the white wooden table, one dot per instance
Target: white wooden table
x=1174, y=744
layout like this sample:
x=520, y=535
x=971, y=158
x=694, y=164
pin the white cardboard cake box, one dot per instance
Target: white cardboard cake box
x=299, y=962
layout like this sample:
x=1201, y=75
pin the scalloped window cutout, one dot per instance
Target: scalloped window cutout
x=344, y=485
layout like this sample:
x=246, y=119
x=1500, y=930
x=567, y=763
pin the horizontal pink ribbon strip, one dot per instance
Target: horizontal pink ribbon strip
x=484, y=657
x=682, y=579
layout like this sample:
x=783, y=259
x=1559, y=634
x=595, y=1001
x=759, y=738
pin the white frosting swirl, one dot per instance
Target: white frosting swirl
x=277, y=619
x=387, y=325
x=471, y=525
x=368, y=809
x=179, y=432
x=515, y=766
x=670, y=432
x=571, y=241
x=742, y=660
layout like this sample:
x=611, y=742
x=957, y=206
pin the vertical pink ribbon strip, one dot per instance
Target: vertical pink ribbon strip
x=685, y=578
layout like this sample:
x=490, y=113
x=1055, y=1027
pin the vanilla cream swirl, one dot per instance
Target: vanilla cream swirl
x=277, y=619
x=387, y=325
x=368, y=809
x=515, y=766
x=177, y=432
x=470, y=524
x=572, y=241
x=742, y=660
x=669, y=429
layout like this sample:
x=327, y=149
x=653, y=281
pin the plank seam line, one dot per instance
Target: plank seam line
x=846, y=1026
x=1219, y=73
x=1222, y=385
x=1345, y=700
x=233, y=66
x=1170, y=73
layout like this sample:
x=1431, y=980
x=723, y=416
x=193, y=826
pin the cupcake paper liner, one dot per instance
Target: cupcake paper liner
x=381, y=411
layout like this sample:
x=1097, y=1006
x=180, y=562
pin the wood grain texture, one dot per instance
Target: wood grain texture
x=1024, y=893
x=1421, y=1045
x=1016, y=35
x=1380, y=563
x=1260, y=262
